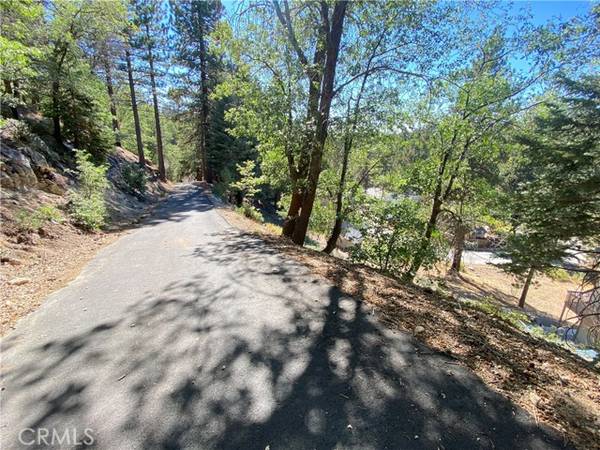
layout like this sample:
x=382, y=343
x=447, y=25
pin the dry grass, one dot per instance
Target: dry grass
x=546, y=296
x=554, y=386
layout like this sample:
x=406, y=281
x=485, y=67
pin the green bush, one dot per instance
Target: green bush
x=488, y=306
x=27, y=220
x=250, y=212
x=135, y=177
x=88, y=207
x=392, y=236
x=33, y=220
x=249, y=183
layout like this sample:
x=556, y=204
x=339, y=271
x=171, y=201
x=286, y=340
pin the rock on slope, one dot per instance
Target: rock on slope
x=38, y=257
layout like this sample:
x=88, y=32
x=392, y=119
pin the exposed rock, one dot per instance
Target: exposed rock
x=28, y=238
x=24, y=161
x=11, y=261
x=51, y=181
x=19, y=281
x=419, y=329
x=15, y=170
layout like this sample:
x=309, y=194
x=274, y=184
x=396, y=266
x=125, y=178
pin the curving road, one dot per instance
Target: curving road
x=186, y=334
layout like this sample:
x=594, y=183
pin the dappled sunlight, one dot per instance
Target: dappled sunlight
x=269, y=359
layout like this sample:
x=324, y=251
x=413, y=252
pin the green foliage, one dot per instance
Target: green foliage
x=250, y=212
x=557, y=200
x=392, y=236
x=248, y=183
x=71, y=91
x=34, y=220
x=88, y=206
x=516, y=318
x=19, y=46
x=83, y=107
x=135, y=177
x=559, y=274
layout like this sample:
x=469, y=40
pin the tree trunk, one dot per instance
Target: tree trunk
x=292, y=215
x=420, y=256
x=526, y=288
x=337, y=226
x=113, y=105
x=333, y=46
x=56, y=113
x=134, y=108
x=203, y=107
x=336, y=231
x=159, y=143
x=348, y=140
x=314, y=72
x=459, y=245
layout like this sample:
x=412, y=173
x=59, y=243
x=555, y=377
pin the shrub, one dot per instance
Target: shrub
x=250, y=212
x=249, y=183
x=392, y=234
x=488, y=306
x=29, y=221
x=135, y=177
x=88, y=203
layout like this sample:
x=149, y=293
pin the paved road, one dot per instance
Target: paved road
x=186, y=334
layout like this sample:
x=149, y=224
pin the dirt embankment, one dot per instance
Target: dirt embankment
x=40, y=249
x=554, y=386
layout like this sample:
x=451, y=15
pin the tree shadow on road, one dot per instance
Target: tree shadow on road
x=264, y=356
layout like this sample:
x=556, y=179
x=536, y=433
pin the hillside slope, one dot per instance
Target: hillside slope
x=40, y=248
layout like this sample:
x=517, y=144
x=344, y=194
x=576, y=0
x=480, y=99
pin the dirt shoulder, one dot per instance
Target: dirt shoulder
x=554, y=386
x=32, y=271
x=36, y=263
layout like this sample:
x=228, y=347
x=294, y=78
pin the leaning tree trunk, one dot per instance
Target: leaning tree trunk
x=314, y=72
x=113, y=106
x=333, y=47
x=134, y=109
x=337, y=226
x=418, y=259
x=459, y=245
x=159, y=143
x=287, y=229
x=348, y=140
x=312, y=113
x=526, y=288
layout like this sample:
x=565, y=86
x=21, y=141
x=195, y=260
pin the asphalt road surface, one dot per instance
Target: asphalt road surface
x=187, y=334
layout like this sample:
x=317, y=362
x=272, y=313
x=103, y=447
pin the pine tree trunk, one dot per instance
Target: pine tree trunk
x=56, y=113
x=526, y=288
x=113, y=105
x=134, y=109
x=159, y=143
x=333, y=47
x=204, y=107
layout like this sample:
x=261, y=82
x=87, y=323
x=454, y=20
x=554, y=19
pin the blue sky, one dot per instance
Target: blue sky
x=542, y=10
